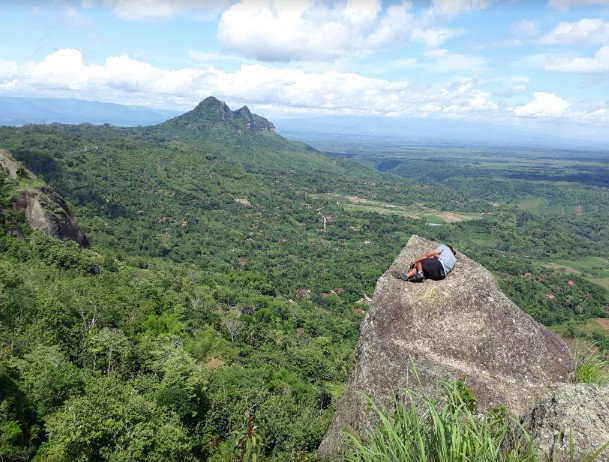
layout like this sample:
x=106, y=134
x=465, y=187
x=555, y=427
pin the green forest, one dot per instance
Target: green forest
x=215, y=314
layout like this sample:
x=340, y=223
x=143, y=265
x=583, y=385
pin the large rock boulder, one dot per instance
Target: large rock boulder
x=463, y=325
x=44, y=209
x=574, y=417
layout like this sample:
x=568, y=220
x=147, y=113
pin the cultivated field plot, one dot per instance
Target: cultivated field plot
x=594, y=269
x=412, y=212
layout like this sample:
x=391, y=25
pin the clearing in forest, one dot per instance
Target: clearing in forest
x=594, y=269
x=413, y=211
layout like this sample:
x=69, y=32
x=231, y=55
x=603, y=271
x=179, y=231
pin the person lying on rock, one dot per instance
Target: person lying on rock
x=435, y=265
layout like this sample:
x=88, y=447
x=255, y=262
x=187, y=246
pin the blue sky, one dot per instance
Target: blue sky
x=517, y=63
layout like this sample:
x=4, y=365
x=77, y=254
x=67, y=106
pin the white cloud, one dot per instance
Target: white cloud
x=396, y=24
x=543, y=105
x=62, y=69
x=583, y=32
x=158, y=10
x=453, y=8
x=125, y=80
x=310, y=30
x=121, y=79
x=597, y=63
x=9, y=70
x=313, y=30
x=566, y=4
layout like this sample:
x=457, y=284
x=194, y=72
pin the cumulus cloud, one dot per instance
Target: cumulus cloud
x=158, y=10
x=126, y=80
x=396, y=24
x=310, y=30
x=594, y=64
x=583, y=32
x=119, y=79
x=543, y=105
x=278, y=91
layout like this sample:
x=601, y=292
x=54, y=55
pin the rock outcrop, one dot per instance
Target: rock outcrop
x=253, y=122
x=463, y=325
x=44, y=209
x=573, y=417
x=11, y=168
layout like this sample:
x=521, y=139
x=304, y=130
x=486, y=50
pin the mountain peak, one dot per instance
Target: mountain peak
x=212, y=106
x=212, y=111
x=244, y=110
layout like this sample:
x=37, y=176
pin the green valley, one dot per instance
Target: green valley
x=230, y=268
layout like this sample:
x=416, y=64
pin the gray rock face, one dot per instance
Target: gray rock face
x=11, y=168
x=44, y=209
x=574, y=416
x=463, y=325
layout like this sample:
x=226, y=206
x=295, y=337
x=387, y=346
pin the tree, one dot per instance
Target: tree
x=113, y=422
x=48, y=378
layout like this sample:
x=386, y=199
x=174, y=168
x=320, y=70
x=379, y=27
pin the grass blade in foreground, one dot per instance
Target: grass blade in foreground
x=443, y=431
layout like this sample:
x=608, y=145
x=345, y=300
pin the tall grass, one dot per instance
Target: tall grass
x=591, y=366
x=443, y=431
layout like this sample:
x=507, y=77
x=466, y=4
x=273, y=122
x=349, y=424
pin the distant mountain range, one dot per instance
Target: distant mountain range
x=22, y=111
x=313, y=130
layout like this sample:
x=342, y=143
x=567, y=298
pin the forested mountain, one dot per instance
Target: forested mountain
x=227, y=276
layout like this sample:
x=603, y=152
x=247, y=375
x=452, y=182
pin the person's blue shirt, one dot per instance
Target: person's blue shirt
x=447, y=258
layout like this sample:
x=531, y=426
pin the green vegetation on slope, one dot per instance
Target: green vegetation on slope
x=213, y=296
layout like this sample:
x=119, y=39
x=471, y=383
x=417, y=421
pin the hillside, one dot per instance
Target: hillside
x=214, y=192
x=212, y=290
x=227, y=277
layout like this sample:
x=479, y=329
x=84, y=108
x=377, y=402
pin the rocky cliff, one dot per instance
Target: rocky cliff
x=463, y=325
x=44, y=209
